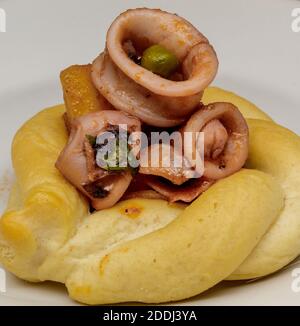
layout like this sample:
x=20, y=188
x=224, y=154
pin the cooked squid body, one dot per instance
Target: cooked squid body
x=224, y=151
x=216, y=137
x=226, y=139
x=131, y=88
x=128, y=96
x=186, y=192
x=165, y=161
x=102, y=187
x=173, y=177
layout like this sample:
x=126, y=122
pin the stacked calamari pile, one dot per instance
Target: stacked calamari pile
x=151, y=75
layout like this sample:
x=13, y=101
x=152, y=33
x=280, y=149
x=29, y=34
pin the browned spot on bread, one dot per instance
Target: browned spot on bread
x=131, y=210
x=103, y=263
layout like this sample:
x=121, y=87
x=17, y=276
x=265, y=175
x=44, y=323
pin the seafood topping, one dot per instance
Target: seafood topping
x=78, y=162
x=149, y=80
x=226, y=139
x=149, y=86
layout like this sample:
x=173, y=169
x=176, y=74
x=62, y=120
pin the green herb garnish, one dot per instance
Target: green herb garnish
x=117, y=157
x=92, y=140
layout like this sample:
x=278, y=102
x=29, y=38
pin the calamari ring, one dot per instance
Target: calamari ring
x=150, y=26
x=131, y=88
x=73, y=162
x=235, y=152
x=124, y=94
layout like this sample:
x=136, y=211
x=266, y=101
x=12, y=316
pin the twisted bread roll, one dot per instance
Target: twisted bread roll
x=244, y=226
x=44, y=209
x=275, y=150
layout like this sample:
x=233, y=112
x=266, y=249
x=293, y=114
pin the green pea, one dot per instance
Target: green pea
x=160, y=61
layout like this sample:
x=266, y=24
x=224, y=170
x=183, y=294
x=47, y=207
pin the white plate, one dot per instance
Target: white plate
x=259, y=59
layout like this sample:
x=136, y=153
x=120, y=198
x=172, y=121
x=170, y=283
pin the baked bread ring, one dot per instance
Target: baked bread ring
x=276, y=151
x=248, y=109
x=149, y=250
x=281, y=244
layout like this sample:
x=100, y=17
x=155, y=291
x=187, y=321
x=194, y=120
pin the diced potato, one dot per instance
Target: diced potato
x=80, y=95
